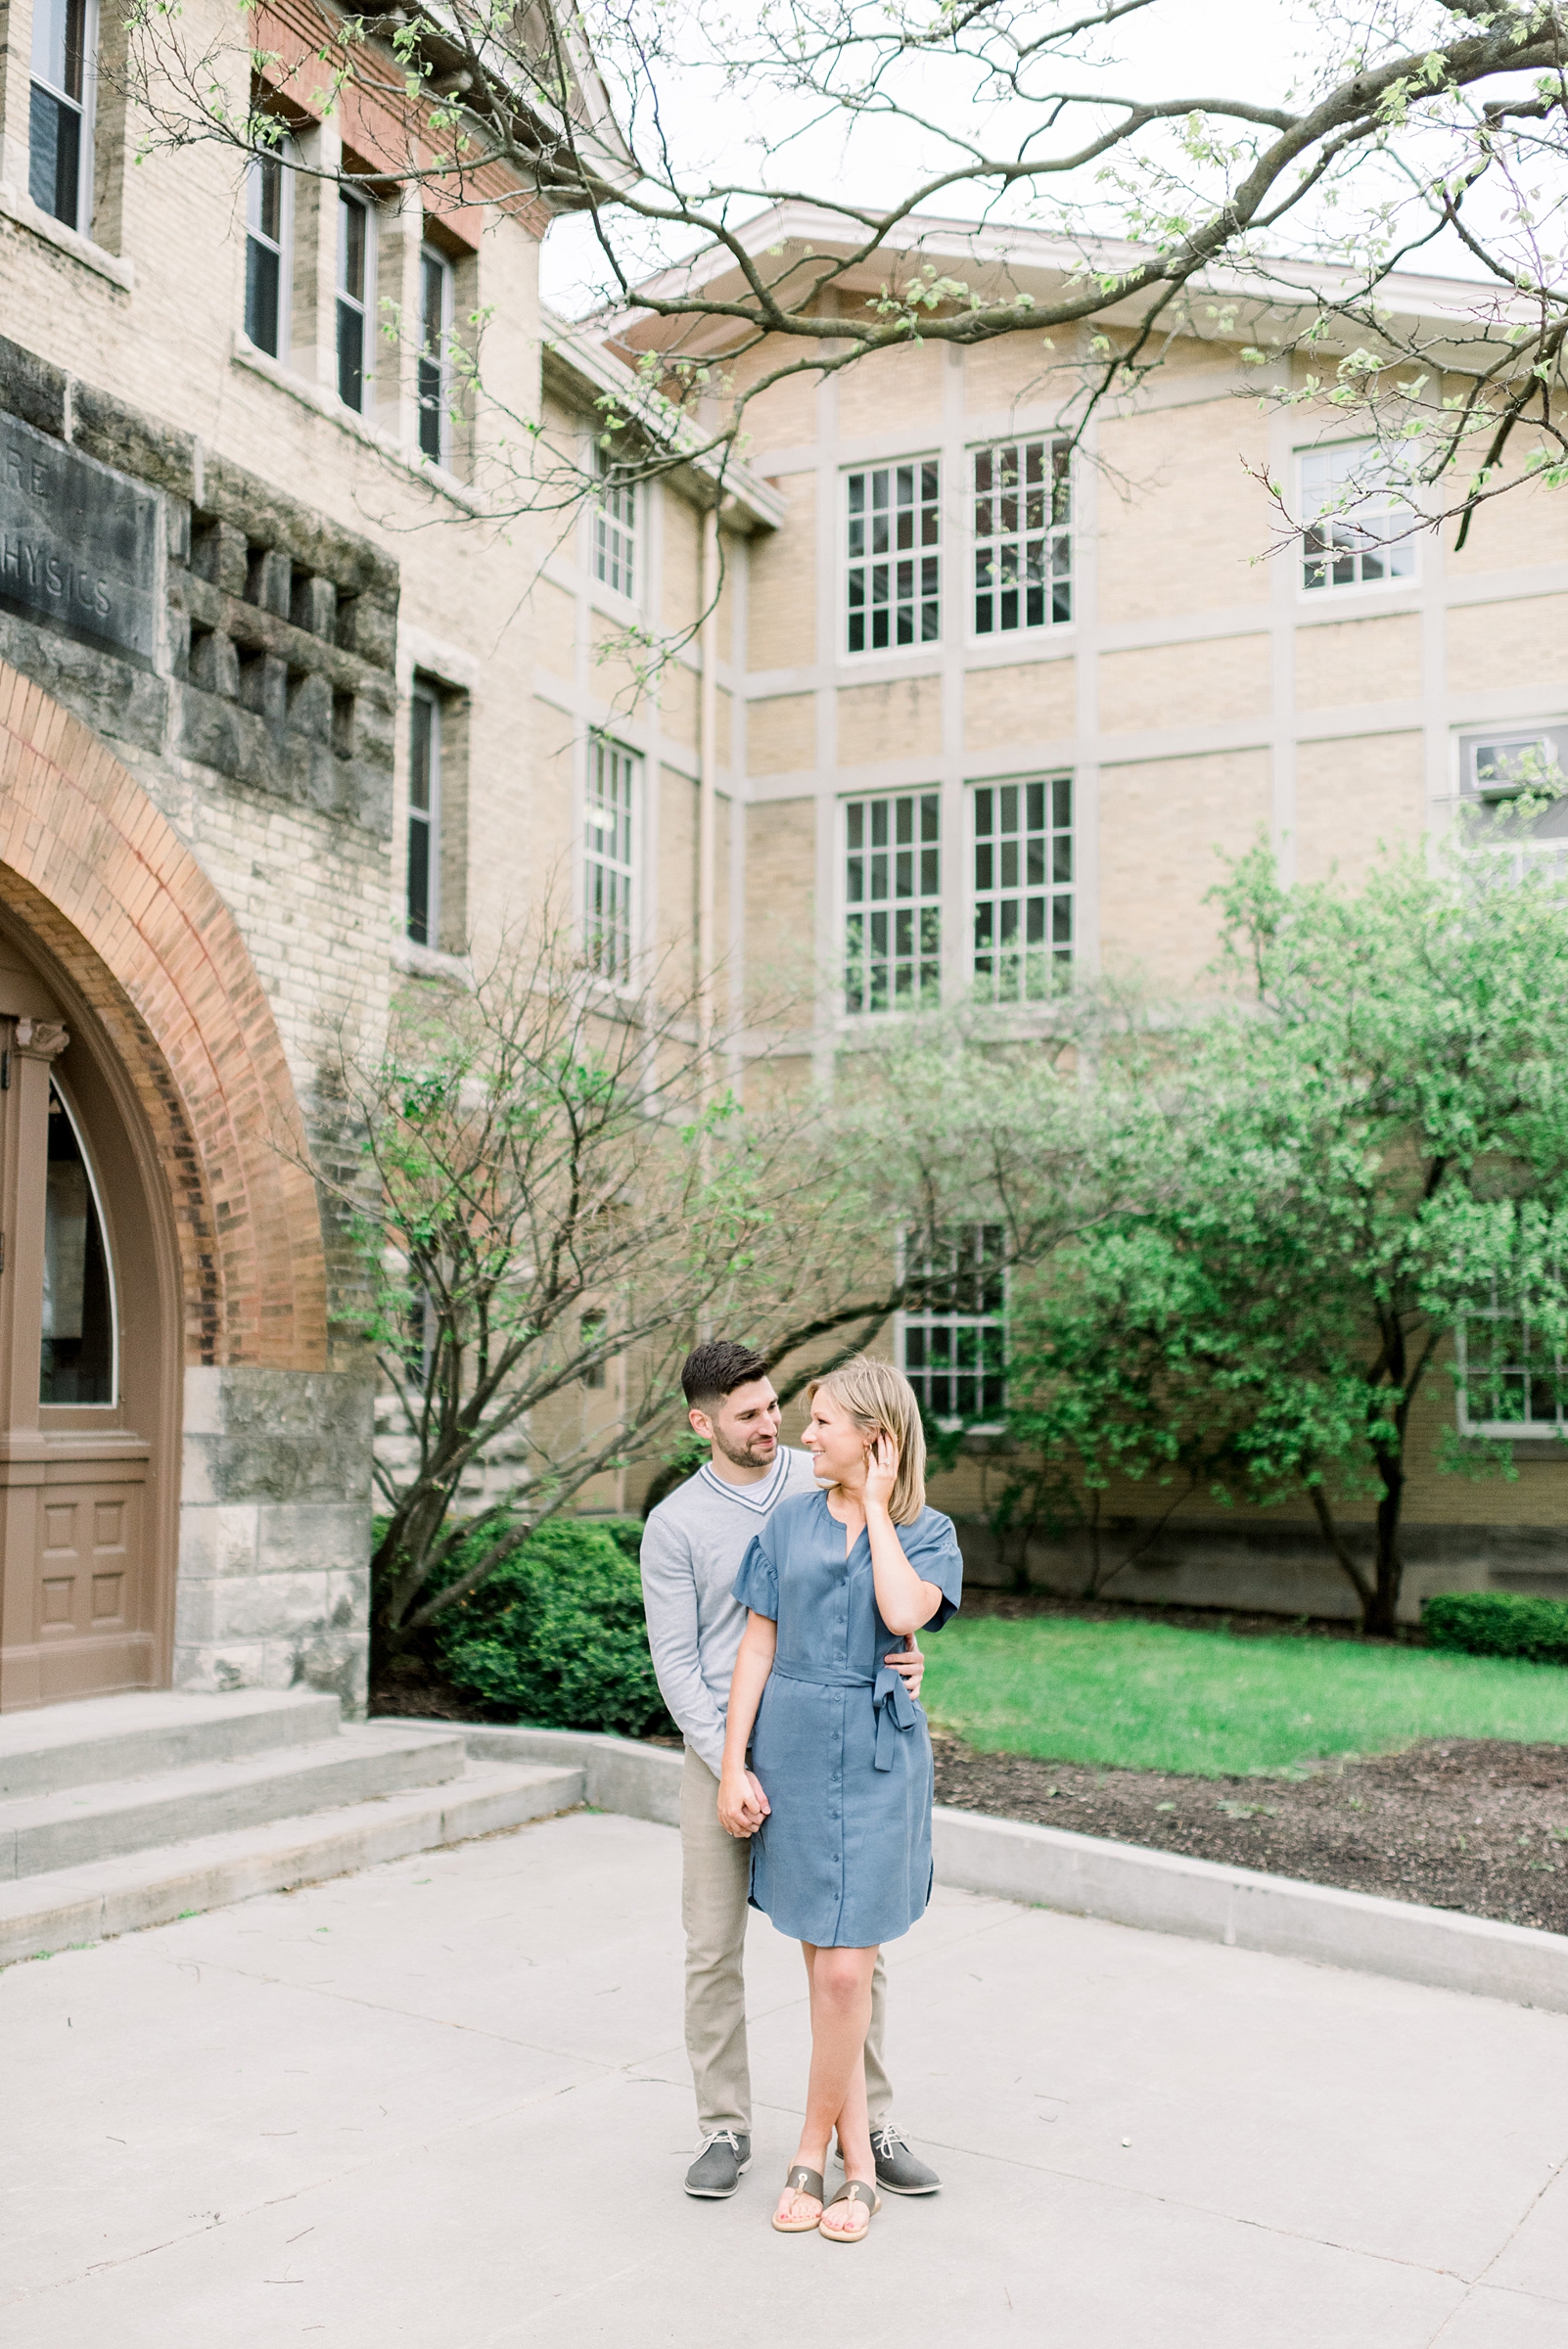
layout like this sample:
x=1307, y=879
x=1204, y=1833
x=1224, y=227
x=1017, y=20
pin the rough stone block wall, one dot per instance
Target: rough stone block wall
x=274, y=1583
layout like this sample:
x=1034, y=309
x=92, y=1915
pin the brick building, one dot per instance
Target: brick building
x=287, y=718
x=1067, y=706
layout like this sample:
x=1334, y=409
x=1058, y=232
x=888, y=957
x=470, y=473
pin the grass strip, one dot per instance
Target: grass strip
x=1149, y=1697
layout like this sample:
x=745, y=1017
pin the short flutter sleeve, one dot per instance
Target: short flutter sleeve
x=757, y=1584
x=931, y=1546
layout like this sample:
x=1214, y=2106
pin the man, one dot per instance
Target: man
x=692, y=1547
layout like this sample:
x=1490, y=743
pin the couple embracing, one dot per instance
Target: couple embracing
x=784, y=1593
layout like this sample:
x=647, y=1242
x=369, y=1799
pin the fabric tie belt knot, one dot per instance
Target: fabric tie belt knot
x=894, y=1705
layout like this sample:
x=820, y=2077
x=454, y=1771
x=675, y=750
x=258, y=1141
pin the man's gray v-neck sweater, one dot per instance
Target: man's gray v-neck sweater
x=692, y=1547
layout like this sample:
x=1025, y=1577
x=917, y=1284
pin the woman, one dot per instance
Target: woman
x=842, y=1858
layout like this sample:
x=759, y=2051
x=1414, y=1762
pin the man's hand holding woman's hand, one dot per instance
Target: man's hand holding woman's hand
x=742, y=1804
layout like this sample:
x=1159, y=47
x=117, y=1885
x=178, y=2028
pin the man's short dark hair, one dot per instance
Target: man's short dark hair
x=715, y=1369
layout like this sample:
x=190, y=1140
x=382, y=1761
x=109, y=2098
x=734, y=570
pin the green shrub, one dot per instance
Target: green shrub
x=1495, y=1623
x=556, y=1636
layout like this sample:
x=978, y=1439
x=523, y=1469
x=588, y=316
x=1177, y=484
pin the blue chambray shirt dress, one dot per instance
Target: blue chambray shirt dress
x=841, y=1750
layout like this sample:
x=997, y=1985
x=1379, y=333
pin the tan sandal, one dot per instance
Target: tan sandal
x=802, y=2180
x=853, y=2189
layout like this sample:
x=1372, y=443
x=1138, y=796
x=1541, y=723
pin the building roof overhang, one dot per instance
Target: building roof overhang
x=582, y=372
x=1251, y=299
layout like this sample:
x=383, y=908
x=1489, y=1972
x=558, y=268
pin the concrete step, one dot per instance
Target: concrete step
x=101, y=1739
x=44, y=1914
x=41, y=1832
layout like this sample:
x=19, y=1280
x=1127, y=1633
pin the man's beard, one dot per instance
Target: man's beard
x=742, y=1455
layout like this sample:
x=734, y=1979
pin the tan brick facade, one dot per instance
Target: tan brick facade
x=215, y=836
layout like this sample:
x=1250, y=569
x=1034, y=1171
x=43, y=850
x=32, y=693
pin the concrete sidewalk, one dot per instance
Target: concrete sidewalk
x=445, y=2103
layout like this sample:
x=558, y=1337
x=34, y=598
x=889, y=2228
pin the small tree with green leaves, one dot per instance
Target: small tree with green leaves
x=549, y=1184
x=1368, y=1145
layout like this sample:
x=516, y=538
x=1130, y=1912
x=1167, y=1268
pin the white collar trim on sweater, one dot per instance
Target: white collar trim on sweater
x=759, y=1499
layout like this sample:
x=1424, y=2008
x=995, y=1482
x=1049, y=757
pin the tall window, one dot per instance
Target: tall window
x=1353, y=519
x=1513, y=1377
x=895, y=532
x=1023, y=887
x=609, y=872
x=60, y=127
x=355, y=276
x=892, y=891
x=268, y=203
x=952, y=1342
x=76, y=1363
x=434, y=327
x=425, y=819
x=615, y=528
x=1022, y=542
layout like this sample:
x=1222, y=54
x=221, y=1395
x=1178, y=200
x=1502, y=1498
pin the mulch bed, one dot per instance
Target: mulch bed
x=1475, y=1825
x=1479, y=1825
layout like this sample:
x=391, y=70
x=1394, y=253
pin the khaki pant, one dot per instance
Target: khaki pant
x=714, y=1874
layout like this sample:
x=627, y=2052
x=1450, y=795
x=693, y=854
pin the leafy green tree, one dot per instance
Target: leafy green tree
x=1366, y=1146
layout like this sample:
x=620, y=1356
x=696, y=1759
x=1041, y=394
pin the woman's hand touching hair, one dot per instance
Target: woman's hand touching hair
x=880, y=1471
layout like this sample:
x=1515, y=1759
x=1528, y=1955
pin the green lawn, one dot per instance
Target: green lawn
x=1147, y=1696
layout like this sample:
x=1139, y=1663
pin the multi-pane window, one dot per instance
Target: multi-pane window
x=609, y=872
x=615, y=526
x=1023, y=887
x=1513, y=1376
x=434, y=330
x=60, y=114
x=952, y=1334
x=1504, y=764
x=893, y=539
x=1022, y=537
x=1356, y=524
x=424, y=817
x=892, y=914
x=355, y=274
x=268, y=193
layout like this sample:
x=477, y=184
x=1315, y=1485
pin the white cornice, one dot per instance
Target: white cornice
x=586, y=371
x=1022, y=259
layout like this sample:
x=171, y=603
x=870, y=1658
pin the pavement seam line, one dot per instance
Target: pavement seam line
x=1478, y=2284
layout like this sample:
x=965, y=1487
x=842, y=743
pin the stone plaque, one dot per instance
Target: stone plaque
x=78, y=545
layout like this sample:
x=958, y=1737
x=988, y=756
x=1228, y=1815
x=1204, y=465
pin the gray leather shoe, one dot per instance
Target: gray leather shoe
x=897, y=2171
x=717, y=2171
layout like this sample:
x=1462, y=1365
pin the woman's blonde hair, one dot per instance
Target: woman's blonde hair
x=881, y=1401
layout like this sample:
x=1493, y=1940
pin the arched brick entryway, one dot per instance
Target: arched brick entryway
x=227, y=1443
x=99, y=876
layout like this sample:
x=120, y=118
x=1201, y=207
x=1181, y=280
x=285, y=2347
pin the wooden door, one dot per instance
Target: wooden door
x=80, y=1609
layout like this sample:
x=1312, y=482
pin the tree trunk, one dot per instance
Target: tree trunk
x=1380, y=1607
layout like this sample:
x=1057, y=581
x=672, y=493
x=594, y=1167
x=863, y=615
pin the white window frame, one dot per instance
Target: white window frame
x=612, y=805
x=85, y=109
x=1350, y=535
x=1511, y=738
x=282, y=155
x=432, y=366
x=364, y=307
x=969, y=1249
x=863, y=558
x=428, y=818
x=616, y=523
x=1535, y=1431
x=1000, y=552
x=878, y=914
x=1028, y=977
